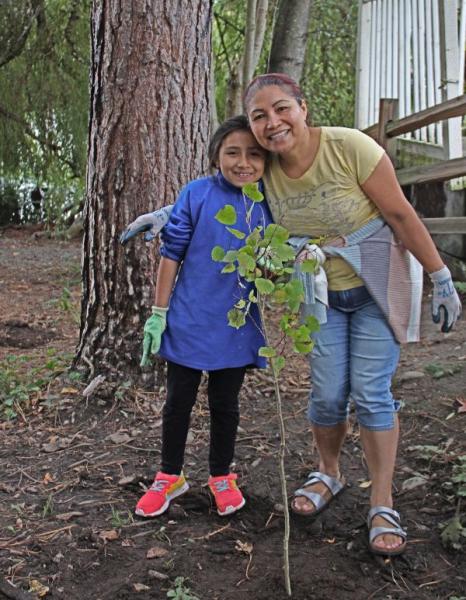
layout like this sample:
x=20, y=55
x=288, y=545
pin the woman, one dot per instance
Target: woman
x=338, y=185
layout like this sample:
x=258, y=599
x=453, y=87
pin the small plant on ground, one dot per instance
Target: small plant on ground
x=120, y=519
x=180, y=591
x=19, y=385
x=264, y=260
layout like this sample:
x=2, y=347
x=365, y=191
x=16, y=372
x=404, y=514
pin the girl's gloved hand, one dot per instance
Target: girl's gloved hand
x=153, y=329
x=150, y=223
x=446, y=305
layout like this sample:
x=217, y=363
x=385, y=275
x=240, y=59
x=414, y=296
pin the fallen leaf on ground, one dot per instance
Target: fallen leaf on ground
x=69, y=390
x=365, y=484
x=119, y=438
x=48, y=478
x=36, y=587
x=413, y=482
x=245, y=547
x=156, y=552
x=108, y=535
x=462, y=405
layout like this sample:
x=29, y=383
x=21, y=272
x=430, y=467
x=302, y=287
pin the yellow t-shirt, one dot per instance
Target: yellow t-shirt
x=327, y=201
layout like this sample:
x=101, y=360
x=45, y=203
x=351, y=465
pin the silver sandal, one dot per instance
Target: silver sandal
x=392, y=517
x=320, y=503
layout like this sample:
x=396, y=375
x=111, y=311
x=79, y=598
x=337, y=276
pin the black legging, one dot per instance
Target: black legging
x=223, y=390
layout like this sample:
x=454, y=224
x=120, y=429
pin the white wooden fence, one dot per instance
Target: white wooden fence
x=412, y=50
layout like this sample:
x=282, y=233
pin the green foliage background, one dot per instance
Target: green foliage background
x=44, y=73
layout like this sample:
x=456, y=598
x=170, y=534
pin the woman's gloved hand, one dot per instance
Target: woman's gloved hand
x=153, y=329
x=149, y=223
x=446, y=305
x=312, y=252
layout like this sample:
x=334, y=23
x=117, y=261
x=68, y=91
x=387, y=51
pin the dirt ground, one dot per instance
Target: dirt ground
x=72, y=469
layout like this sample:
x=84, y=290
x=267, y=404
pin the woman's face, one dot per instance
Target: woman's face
x=241, y=160
x=276, y=119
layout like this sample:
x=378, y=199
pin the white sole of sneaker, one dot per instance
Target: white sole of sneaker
x=184, y=488
x=229, y=510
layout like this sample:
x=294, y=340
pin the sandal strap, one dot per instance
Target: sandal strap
x=317, y=499
x=387, y=513
x=333, y=483
x=376, y=531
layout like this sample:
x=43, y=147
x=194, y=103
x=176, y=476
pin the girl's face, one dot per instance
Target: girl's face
x=277, y=120
x=240, y=159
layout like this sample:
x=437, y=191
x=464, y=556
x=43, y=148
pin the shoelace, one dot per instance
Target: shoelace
x=222, y=486
x=159, y=485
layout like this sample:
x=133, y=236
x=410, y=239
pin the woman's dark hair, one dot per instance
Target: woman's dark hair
x=238, y=123
x=286, y=83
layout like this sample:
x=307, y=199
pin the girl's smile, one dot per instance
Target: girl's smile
x=241, y=160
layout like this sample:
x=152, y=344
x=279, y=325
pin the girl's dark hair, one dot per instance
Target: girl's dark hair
x=238, y=123
x=286, y=83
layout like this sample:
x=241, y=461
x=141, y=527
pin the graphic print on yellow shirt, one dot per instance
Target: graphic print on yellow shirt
x=327, y=200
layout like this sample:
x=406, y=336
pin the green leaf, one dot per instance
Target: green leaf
x=251, y=190
x=276, y=234
x=226, y=215
x=230, y=256
x=237, y=233
x=303, y=347
x=309, y=265
x=228, y=268
x=284, y=252
x=267, y=351
x=246, y=261
x=278, y=364
x=252, y=297
x=240, y=304
x=236, y=318
x=254, y=237
x=312, y=323
x=264, y=286
x=280, y=296
x=217, y=253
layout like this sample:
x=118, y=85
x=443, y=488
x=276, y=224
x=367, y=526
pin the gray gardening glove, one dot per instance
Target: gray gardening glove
x=150, y=223
x=446, y=305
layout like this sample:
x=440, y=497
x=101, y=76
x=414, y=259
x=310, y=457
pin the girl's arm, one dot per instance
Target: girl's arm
x=383, y=189
x=166, y=275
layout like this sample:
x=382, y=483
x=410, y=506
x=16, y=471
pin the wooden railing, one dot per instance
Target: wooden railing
x=389, y=127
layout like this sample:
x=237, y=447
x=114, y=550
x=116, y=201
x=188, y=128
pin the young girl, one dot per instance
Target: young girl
x=192, y=315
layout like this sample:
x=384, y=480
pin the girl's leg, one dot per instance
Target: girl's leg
x=182, y=387
x=223, y=390
x=374, y=358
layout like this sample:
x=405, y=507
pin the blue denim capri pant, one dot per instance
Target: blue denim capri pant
x=354, y=359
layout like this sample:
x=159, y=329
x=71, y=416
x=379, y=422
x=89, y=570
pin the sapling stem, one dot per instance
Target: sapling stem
x=281, y=456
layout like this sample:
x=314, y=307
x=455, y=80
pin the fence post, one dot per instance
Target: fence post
x=388, y=111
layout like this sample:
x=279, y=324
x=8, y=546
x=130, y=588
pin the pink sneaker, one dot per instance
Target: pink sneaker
x=158, y=497
x=228, y=496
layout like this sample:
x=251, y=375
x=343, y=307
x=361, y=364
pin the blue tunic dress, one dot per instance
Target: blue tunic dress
x=198, y=334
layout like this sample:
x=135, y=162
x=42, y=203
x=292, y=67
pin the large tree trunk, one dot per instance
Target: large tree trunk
x=289, y=40
x=148, y=135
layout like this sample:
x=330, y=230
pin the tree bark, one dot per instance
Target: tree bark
x=148, y=136
x=289, y=40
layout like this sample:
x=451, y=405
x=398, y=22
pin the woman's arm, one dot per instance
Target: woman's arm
x=383, y=189
x=166, y=276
